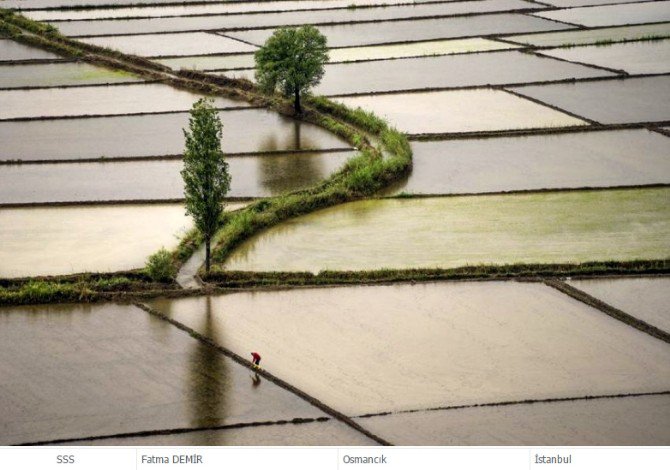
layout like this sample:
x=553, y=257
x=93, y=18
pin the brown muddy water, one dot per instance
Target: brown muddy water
x=576, y=160
x=418, y=30
x=645, y=298
x=286, y=18
x=307, y=434
x=448, y=232
x=460, y=111
x=71, y=371
x=391, y=348
x=609, y=102
x=244, y=131
x=66, y=240
x=100, y=100
x=260, y=176
x=634, y=421
x=178, y=44
x=635, y=58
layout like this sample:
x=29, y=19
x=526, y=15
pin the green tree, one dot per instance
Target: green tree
x=205, y=172
x=291, y=61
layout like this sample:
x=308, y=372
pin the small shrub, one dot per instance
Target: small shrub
x=160, y=266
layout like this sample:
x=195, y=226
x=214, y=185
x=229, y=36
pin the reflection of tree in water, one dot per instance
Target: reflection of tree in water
x=210, y=380
x=288, y=137
x=280, y=173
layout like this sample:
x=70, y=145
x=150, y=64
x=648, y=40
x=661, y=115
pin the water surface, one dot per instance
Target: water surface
x=279, y=19
x=432, y=344
x=260, y=176
x=460, y=111
x=591, y=36
x=67, y=240
x=606, y=15
x=634, y=58
x=575, y=423
x=179, y=44
x=84, y=370
x=446, y=232
x=576, y=160
x=350, y=54
x=418, y=30
x=60, y=74
x=609, y=102
x=237, y=8
x=464, y=70
x=245, y=130
x=112, y=100
x=327, y=433
x=12, y=50
x=645, y=298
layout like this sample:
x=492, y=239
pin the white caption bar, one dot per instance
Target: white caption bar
x=334, y=458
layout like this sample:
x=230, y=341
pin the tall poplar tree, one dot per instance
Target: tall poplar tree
x=205, y=172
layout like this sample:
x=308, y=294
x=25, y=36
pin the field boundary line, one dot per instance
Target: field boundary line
x=173, y=431
x=267, y=375
x=608, y=309
x=530, y=401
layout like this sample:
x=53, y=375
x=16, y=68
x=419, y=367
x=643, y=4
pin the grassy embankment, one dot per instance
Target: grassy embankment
x=385, y=156
x=362, y=176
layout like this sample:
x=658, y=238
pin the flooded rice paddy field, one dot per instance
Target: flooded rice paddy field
x=418, y=30
x=626, y=421
x=108, y=369
x=244, y=131
x=593, y=36
x=351, y=54
x=607, y=15
x=215, y=7
x=251, y=176
x=634, y=58
x=82, y=370
x=486, y=342
x=449, y=232
x=574, y=160
x=179, y=44
x=67, y=240
x=579, y=3
x=36, y=4
x=460, y=111
x=647, y=299
x=59, y=74
x=306, y=434
x=96, y=100
x=15, y=51
x=288, y=18
x=609, y=102
x=428, y=72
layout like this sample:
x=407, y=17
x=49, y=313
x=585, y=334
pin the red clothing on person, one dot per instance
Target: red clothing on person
x=256, y=357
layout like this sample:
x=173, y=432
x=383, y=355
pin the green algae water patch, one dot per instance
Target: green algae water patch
x=447, y=232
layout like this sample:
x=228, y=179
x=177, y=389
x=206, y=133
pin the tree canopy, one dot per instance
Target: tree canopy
x=291, y=61
x=205, y=172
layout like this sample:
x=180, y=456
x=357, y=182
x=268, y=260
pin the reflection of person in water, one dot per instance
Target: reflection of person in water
x=255, y=381
x=256, y=360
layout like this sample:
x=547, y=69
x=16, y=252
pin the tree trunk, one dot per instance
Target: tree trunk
x=296, y=101
x=207, y=262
